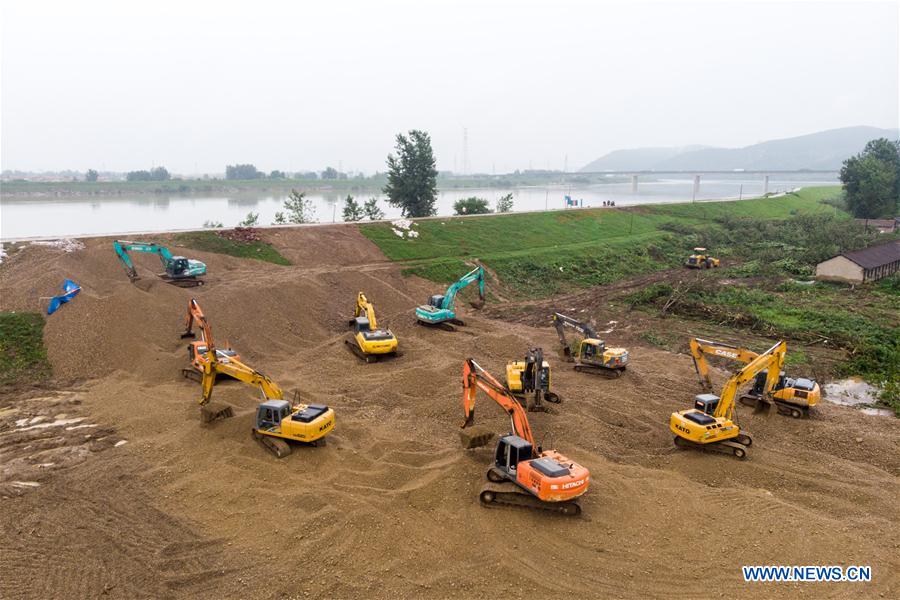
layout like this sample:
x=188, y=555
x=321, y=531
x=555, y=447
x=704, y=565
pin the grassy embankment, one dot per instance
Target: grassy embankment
x=23, y=358
x=211, y=241
x=541, y=254
x=764, y=243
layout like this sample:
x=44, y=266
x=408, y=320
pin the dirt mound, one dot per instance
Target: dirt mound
x=188, y=510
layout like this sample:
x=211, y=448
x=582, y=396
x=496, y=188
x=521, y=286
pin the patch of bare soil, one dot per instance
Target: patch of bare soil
x=388, y=508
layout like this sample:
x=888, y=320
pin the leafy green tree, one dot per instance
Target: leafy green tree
x=212, y=224
x=872, y=180
x=279, y=219
x=330, y=173
x=472, y=206
x=299, y=208
x=159, y=174
x=352, y=210
x=91, y=175
x=412, y=176
x=276, y=174
x=247, y=171
x=373, y=212
x=505, y=204
x=251, y=220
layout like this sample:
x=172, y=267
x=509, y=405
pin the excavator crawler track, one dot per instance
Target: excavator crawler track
x=182, y=282
x=784, y=408
x=276, y=446
x=734, y=448
x=602, y=371
x=509, y=495
x=445, y=325
x=369, y=358
x=192, y=374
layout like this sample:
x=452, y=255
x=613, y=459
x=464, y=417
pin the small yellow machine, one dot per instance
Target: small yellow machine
x=368, y=342
x=792, y=396
x=592, y=356
x=529, y=379
x=710, y=425
x=701, y=260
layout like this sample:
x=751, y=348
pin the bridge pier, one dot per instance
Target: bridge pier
x=696, y=187
x=634, y=181
x=765, y=184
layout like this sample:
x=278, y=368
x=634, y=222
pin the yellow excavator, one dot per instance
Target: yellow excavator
x=792, y=396
x=277, y=420
x=368, y=342
x=529, y=380
x=710, y=424
x=592, y=356
x=701, y=260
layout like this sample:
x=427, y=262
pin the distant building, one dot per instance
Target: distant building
x=860, y=266
x=882, y=225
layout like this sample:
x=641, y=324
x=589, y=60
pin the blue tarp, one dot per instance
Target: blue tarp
x=70, y=290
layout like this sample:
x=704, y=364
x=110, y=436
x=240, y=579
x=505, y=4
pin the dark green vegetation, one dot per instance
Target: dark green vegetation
x=872, y=180
x=472, y=205
x=155, y=174
x=540, y=254
x=764, y=244
x=412, y=175
x=212, y=241
x=23, y=358
x=861, y=322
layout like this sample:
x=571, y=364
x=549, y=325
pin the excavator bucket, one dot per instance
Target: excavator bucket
x=475, y=437
x=215, y=411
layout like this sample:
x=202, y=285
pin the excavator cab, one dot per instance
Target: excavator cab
x=511, y=450
x=706, y=403
x=271, y=412
x=178, y=266
x=436, y=300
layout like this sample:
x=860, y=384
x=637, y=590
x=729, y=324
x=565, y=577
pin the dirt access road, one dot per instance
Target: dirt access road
x=388, y=508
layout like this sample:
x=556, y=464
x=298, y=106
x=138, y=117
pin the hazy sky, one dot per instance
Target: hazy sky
x=194, y=86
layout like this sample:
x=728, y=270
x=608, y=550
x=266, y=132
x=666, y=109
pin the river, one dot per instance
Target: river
x=71, y=216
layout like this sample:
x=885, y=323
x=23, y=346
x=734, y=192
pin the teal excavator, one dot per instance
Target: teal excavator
x=180, y=271
x=441, y=308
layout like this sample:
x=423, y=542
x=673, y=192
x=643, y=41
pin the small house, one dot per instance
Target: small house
x=860, y=266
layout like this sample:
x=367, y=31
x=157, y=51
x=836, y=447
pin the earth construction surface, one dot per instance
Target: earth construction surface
x=111, y=487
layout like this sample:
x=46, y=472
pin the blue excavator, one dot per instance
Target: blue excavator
x=180, y=271
x=441, y=308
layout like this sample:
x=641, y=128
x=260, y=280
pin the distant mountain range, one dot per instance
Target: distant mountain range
x=822, y=150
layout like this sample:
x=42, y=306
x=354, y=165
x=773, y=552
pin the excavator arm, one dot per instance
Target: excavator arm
x=474, y=378
x=700, y=349
x=238, y=370
x=772, y=360
x=561, y=321
x=475, y=275
x=363, y=306
x=195, y=314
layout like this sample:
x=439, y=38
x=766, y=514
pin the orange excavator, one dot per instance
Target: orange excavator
x=198, y=348
x=523, y=475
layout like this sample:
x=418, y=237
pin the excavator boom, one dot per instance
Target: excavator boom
x=474, y=378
